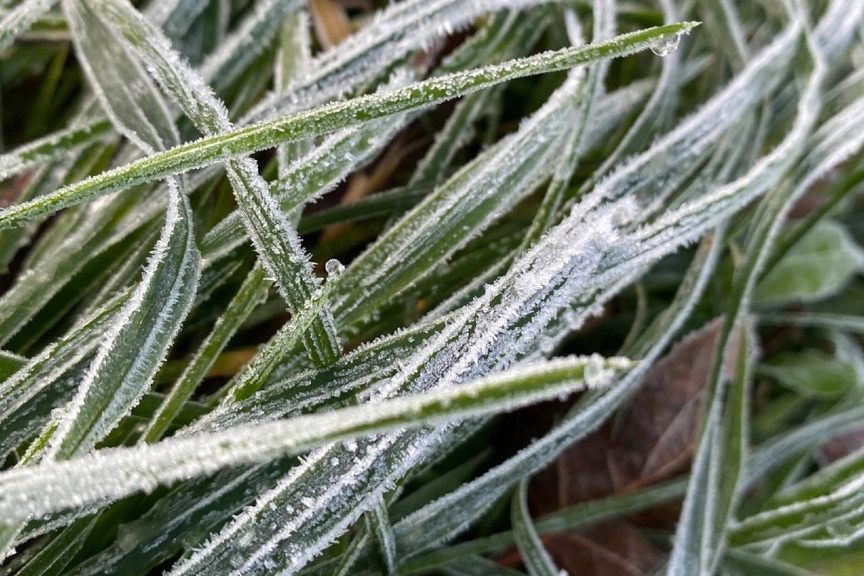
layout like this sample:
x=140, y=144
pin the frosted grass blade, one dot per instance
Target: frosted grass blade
x=572, y=518
x=274, y=238
x=437, y=521
x=460, y=208
x=251, y=293
x=184, y=515
x=714, y=485
x=127, y=95
x=395, y=32
x=128, y=358
x=144, y=467
x=586, y=96
x=329, y=118
x=50, y=147
x=379, y=523
x=48, y=380
x=293, y=393
x=242, y=46
x=20, y=18
x=534, y=556
x=307, y=178
x=503, y=37
x=120, y=372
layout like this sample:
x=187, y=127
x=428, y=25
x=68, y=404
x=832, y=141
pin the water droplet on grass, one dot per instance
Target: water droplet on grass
x=666, y=46
x=334, y=267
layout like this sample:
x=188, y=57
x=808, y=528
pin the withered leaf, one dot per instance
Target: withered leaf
x=651, y=439
x=840, y=445
x=606, y=548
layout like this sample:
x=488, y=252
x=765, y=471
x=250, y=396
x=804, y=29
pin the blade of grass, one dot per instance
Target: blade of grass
x=535, y=558
x=330, y=118
x=20, y=18
x=275, y=240
x=72, y=481
x=251, y=293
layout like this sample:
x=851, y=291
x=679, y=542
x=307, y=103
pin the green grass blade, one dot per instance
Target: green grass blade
x=237, y=52
x=173, y=459
x=463, y=206
x=714, y=486
x=272, y=235
x=48, y=379
x=251, y=293
x=309, y=177
x=50, y=147
x=330, y=118
x=534, y=556
x=20, y=18
x=127, y=360
x=571, y=518
x=396, y=32
x=379, y=523
x=127, y=95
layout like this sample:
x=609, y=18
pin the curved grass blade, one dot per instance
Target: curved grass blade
x=181, y=518
x=604, y=27
x=127, y=360
x=51, y=147
x=379, y=525
x=132, y=103
x=715, y=481
x=48, y=379
x=309, y=177
x=502, y=38
x=128, y=357
x=462, y=207
x=572, y=518
x=400, y=29
x=238, y=51
x=329, y=118
x=534, y=556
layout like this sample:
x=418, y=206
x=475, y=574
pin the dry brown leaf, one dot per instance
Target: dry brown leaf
x=331, y=22
x=607, y=548
x=840, y=445
x=11, y=191
x=651, y=439
x=602, y=550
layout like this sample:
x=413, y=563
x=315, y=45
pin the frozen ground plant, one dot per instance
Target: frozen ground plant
x=431, y=287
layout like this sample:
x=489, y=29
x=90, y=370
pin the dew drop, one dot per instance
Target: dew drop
x=333, y=267
x=666, y=46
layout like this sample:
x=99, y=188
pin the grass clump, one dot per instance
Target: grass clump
x=273, y=273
